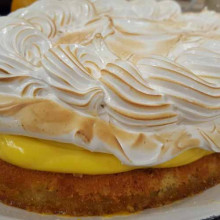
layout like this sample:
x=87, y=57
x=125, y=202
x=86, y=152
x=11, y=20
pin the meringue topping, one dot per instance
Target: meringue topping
x=137, y=79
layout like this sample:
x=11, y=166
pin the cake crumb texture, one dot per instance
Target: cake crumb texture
x=83, y=195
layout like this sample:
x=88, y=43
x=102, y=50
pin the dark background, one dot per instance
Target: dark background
x=5, y=7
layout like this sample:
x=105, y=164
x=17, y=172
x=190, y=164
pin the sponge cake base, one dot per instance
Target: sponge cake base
x=87, y=195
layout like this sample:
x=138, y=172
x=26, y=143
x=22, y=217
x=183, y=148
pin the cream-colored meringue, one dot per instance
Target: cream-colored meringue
x=137, y=79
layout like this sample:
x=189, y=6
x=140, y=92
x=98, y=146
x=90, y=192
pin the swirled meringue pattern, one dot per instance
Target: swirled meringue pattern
x=53, y=17
x=137, y=79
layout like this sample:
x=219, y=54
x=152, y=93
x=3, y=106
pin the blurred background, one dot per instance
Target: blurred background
x=187, y=5
x=5, y=6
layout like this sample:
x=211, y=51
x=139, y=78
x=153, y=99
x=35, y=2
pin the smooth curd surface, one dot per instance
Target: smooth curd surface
x=52, y=156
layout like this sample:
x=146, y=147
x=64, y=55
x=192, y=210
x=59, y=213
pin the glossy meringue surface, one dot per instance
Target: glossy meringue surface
x=137, y=79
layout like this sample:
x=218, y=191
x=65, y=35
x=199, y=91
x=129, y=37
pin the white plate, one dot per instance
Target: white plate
x=199, y=207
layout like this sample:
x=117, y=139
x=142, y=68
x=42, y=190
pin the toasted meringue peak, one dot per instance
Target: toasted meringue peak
x=138, y=79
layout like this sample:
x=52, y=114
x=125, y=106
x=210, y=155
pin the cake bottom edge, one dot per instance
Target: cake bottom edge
x=98, y=195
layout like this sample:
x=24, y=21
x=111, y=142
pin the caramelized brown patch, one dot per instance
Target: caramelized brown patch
x=10, y=109
x=186, y=141
x=47, y=118
x=9, y=106
x=125, y=47
x=4, y=71
x=176, y=142
x=141, y=140
x=144, y=142
x=105, y=133
x=81, y=135
x=85, y=131
x=37, y=115
x=76, y=38
x=13, y=78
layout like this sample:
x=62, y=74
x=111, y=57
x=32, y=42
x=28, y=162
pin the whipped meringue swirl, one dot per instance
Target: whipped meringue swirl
x=144, y=69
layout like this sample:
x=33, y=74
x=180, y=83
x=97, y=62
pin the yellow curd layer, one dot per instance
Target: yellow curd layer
x=37, y=154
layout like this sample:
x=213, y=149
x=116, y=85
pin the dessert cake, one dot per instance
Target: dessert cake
x=108, y=106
